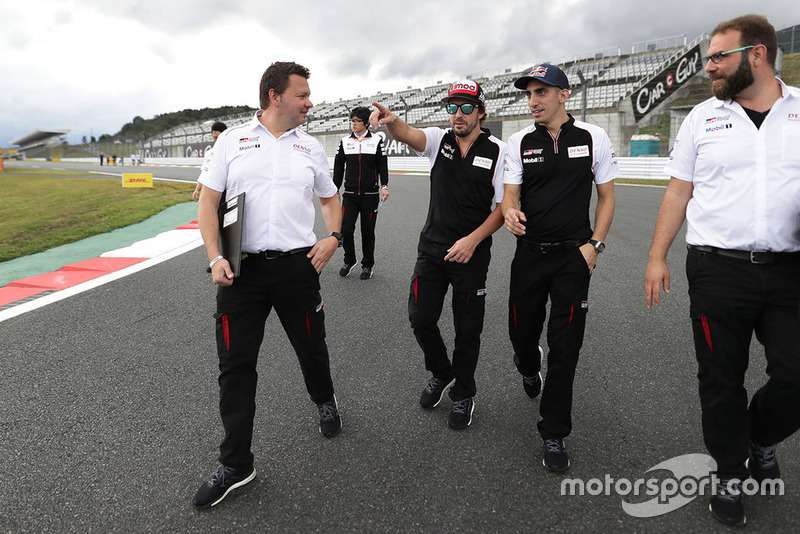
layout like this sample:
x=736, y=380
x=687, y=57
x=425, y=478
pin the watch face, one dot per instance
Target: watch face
x=600, y=246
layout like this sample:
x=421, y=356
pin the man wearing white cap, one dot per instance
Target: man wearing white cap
x=550, y=170
x=467, y=165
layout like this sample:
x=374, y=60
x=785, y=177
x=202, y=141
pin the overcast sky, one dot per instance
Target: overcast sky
x=90, y=66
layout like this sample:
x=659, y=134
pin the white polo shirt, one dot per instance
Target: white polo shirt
x=746, y=180
x=278, y=176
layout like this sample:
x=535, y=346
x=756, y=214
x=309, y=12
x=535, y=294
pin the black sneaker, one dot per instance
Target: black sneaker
x=329, y=421
x=346, y=268
x=434, y=391
x=555, y=455
x=219, y=484
x=533, y=384
x=461, y=414
x=366, y=273
x=727, y=505
x=762, y=463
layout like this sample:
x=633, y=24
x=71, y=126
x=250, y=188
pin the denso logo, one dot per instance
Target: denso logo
x=301, y=148
x=794, y=116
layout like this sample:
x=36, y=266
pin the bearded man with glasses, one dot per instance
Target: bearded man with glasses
x=454, y=247
x=736, y=181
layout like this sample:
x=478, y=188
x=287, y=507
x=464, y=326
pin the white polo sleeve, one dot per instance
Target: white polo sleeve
x=606, y=167
x=513, y=165
x=323, y=183
x=683, y=156
x=433, y=138
x=500, y=172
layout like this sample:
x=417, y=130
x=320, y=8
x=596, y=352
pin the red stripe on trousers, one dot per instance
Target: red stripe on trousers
x=308, y=326
x=707, y=332
x=226, y=332
x=514, y=310
x=571, y=313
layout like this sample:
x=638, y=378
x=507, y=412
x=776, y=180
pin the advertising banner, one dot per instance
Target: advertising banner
x=666, y=82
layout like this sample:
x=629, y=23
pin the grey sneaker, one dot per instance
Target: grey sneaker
x=555, y=455
x=461, y=414
x=533, y=384
x=219, y=484
x=346, y=268
x=726, y=505
x=434, y=391
x=329, y=420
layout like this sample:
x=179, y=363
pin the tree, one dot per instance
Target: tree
x=83, y=139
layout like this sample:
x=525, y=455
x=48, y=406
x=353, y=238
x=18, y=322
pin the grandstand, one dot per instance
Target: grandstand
x=39, y=140
x=626, y=93
x=605, y=80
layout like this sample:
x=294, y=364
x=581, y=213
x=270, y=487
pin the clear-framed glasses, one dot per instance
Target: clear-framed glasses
x=466, y=109
x=716, y=58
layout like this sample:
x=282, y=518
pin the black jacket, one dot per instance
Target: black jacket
x=361, y=164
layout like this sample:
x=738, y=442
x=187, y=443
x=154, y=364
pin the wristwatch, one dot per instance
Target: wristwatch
x=338, y=236
x=599, y=246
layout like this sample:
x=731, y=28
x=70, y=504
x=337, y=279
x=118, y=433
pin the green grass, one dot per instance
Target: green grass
x=45, y=209
x=791, y=69
x=641, y=181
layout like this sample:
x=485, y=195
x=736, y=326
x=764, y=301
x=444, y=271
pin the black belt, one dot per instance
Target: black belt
x=549, y=248
x=752, y=256
x=275, y=254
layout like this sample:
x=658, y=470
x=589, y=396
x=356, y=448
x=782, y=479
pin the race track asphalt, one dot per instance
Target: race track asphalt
x=109, y=418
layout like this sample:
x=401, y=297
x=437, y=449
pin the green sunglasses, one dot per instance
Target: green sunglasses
x=466, y=109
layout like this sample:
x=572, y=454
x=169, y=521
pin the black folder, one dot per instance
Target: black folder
x=231, y=221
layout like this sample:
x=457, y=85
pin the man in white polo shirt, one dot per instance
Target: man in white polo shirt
x=735, y=171
x=280, y=168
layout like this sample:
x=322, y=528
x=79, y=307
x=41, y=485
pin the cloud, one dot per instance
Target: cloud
x=92, y=65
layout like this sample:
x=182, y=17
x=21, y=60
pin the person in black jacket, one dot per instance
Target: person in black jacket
x=361, y=164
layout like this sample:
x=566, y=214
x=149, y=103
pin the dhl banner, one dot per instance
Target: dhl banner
x=137, y=180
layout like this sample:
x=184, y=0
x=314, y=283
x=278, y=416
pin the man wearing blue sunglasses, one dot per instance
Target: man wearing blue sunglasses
x=467, y=165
